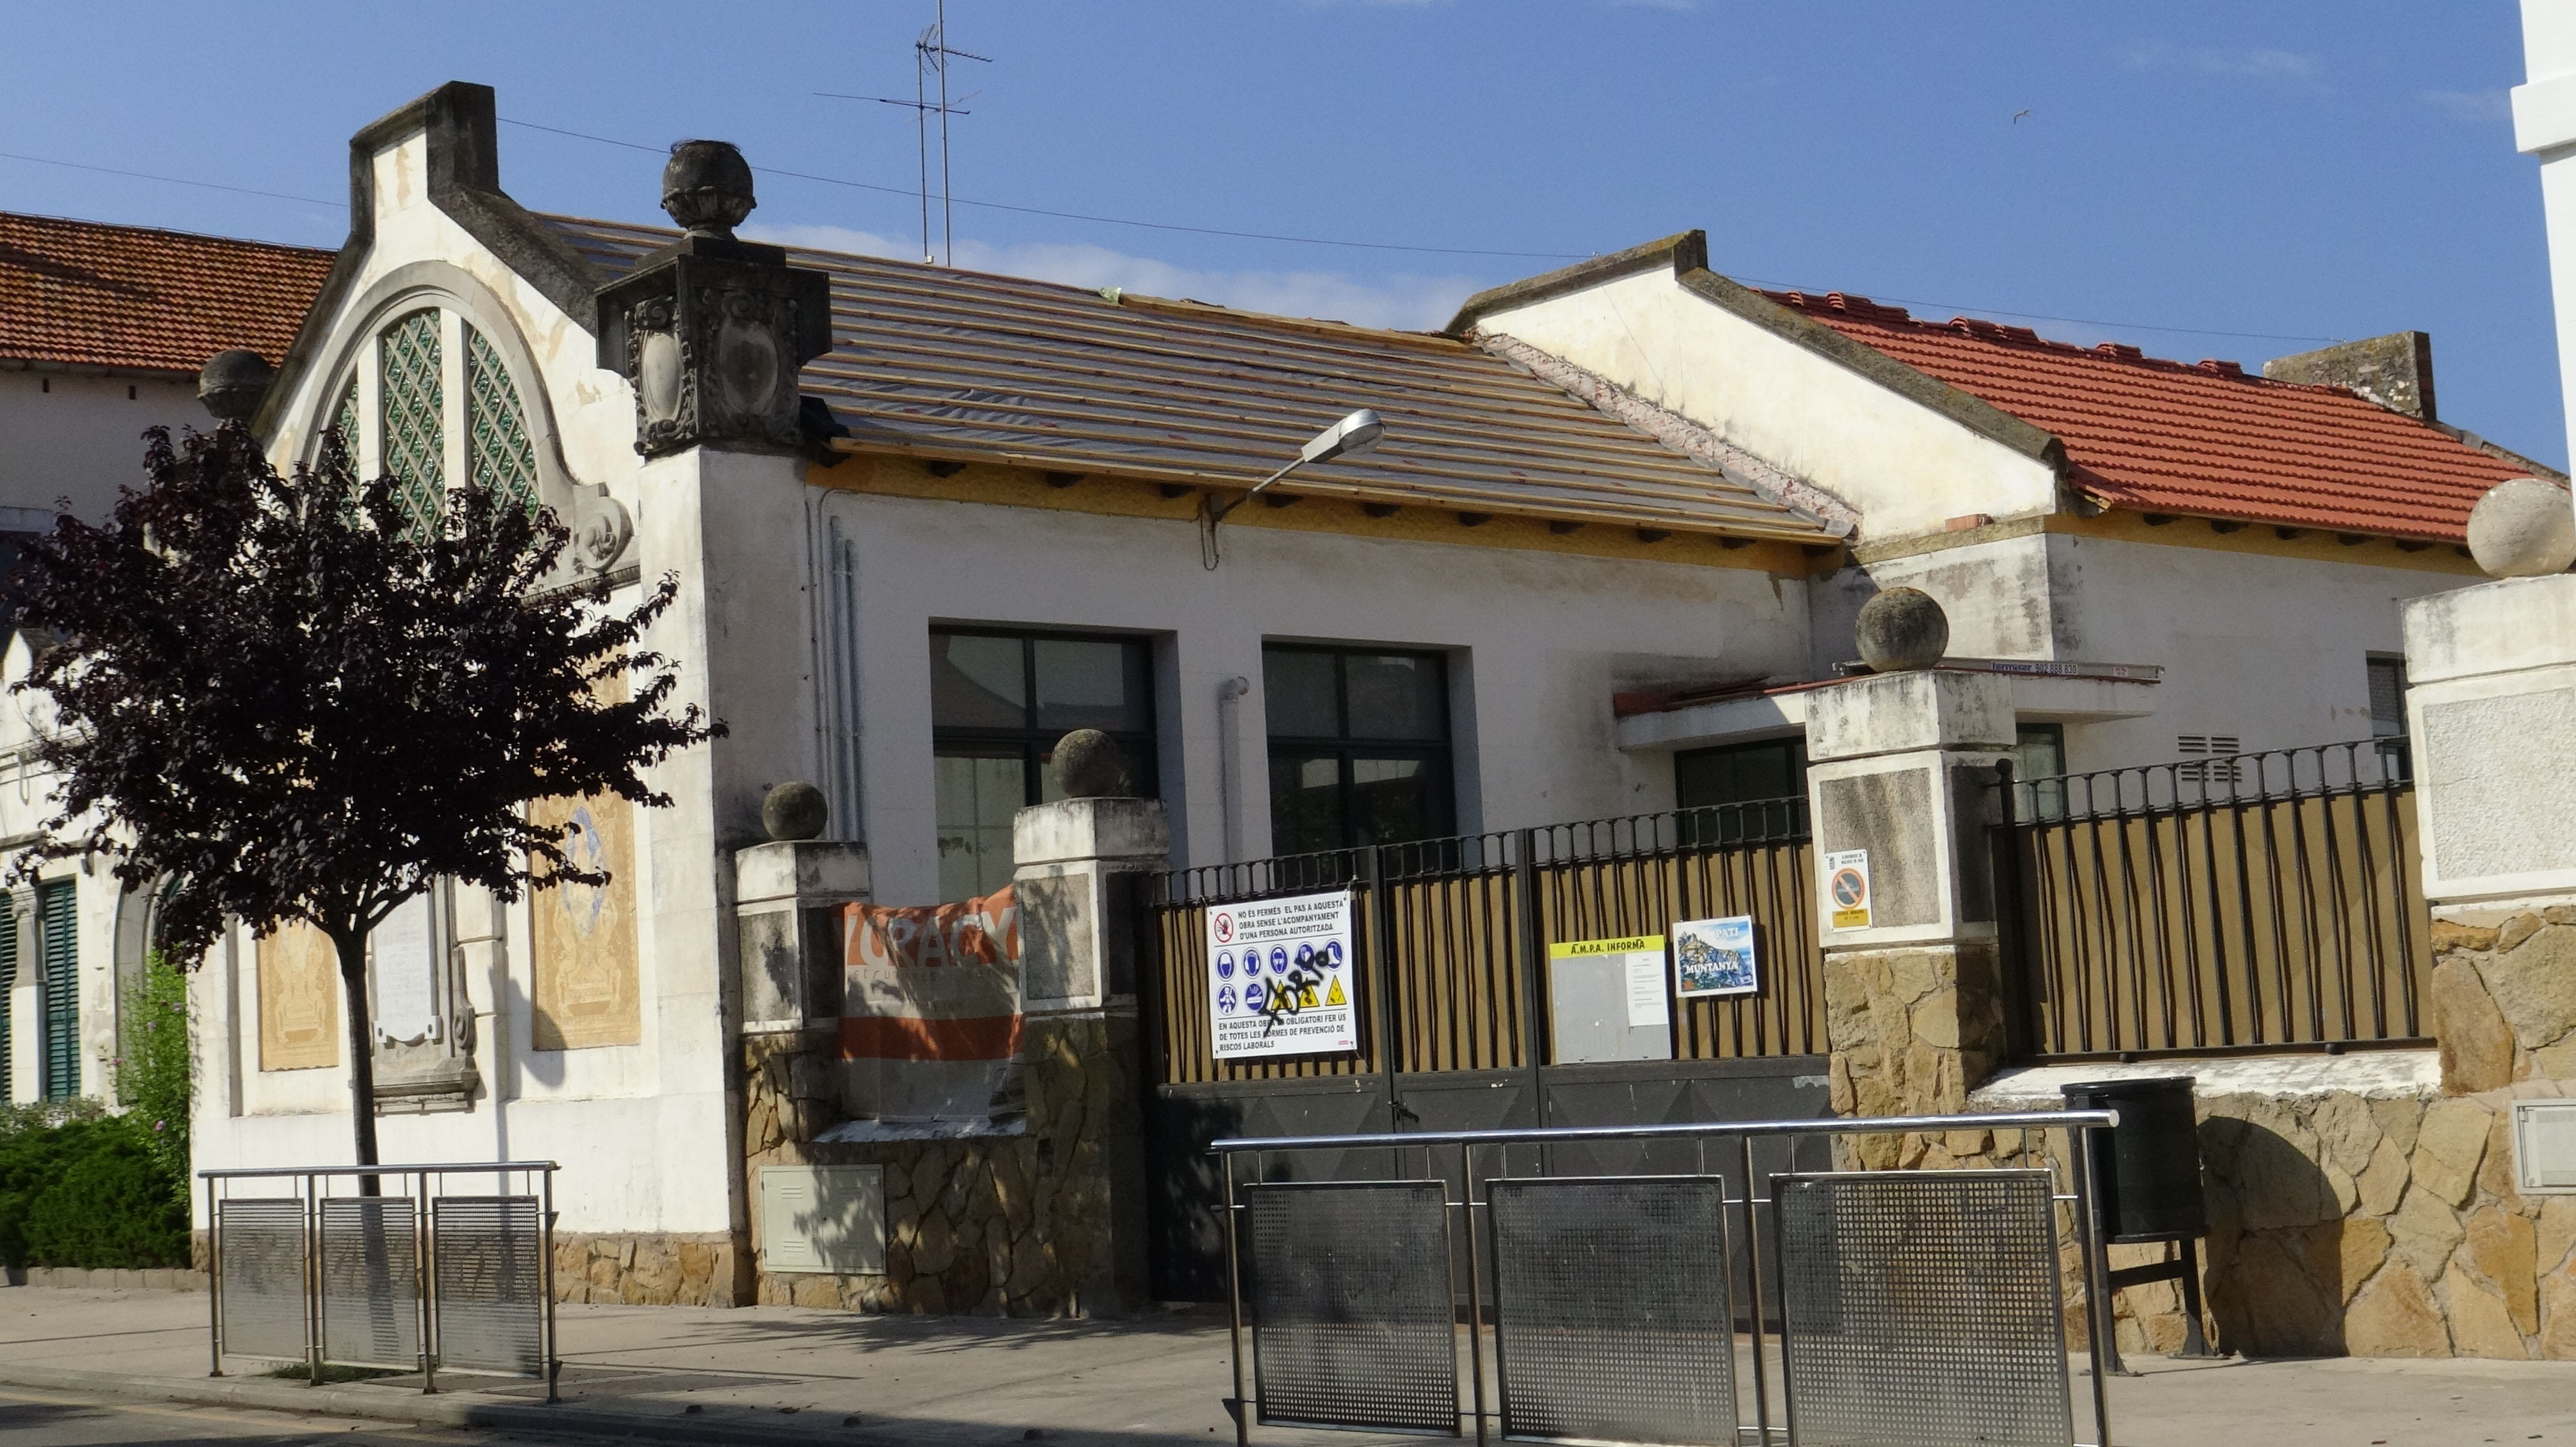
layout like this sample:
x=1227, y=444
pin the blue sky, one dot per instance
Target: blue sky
x=2288, y=173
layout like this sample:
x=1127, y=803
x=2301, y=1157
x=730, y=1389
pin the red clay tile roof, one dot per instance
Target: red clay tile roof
x=2206, y=440
x=86, y=294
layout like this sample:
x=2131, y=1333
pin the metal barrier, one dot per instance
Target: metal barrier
x=427, y=1280
x=1913, y=1305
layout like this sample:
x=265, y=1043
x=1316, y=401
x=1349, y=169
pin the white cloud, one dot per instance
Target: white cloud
x=2470, y=105
x=2258, y=63
x=1401, y=299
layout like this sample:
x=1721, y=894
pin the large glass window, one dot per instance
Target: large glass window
x=998, y=702
x=1359, y=747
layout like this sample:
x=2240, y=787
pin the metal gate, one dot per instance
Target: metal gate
x=1452, y=974
x=1476, y=1290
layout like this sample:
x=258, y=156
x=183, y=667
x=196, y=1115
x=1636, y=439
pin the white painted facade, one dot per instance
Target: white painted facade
x=803, y=622
x=2544, y=125
x=78, y=434
x=2265, y=644
x=1538, y=641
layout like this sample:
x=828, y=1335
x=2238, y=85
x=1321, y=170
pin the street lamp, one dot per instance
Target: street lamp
x=1349, y=437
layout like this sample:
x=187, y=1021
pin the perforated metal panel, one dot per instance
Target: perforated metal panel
x=1352, y=1318
x=262, y=1263
x=488, y=1255
x=1922, y=1309
x=1613, y=1319
x=371, y=1281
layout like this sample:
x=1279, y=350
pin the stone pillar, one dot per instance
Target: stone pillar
x=1901, y=770
x=1080, y=863
x=788, y=895
x=2492, y=711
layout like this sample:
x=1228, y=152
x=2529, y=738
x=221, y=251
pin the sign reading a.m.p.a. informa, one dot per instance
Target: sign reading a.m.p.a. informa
x=1280, y=977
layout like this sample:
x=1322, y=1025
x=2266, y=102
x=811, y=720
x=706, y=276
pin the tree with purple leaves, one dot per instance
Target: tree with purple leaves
x=280, y=698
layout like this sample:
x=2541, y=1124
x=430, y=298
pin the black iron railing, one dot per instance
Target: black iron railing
x=2252, y=902
x=1461, y=926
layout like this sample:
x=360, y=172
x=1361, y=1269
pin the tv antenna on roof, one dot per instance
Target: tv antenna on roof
x=930, y=53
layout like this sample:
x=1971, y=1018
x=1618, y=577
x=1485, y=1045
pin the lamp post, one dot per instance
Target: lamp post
x=1354, y=434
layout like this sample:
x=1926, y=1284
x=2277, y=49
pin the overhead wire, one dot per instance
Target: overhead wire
x=1772, y=284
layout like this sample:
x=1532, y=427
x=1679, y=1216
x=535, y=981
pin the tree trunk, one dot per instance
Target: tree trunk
x=352, y=949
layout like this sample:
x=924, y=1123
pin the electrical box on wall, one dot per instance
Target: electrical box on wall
x=2544, y=1147
x=827, y=1219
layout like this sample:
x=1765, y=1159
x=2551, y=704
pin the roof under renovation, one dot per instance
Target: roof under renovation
x=961, y=365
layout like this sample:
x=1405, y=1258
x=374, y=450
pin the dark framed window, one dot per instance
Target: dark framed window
x=1745, y=773
x=2388, y=711
x=1359, y=747
x=999, y=700
x=2039, y=753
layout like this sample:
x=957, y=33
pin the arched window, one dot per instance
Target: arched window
x=498, y=453
x=433, y=398
x=411, y=412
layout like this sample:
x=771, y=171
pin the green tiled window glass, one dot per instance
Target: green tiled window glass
x=414, y=444
x=345, y=416
x=498, y=454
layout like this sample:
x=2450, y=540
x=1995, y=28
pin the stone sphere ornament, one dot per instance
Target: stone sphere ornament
x=1901, y=629
x=232, y=383
x=707, y=188
x=1090, y=765
x=795, y=810
x=2523, y=528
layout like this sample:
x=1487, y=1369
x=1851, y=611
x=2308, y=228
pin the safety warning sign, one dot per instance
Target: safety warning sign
x=1847, y=888
x=1280, y=977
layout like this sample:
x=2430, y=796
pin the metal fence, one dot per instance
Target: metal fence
x=429, y=1279
x=1458, y=928
x=2259, y=902
x=1913, y=1306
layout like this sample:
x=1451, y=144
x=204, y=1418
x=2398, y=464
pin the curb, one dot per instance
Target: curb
x=458, y=1409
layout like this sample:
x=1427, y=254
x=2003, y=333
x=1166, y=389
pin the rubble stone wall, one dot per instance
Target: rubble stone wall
x=1033, y=1224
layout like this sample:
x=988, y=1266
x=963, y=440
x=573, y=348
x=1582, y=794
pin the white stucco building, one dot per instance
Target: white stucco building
x=1620, y=515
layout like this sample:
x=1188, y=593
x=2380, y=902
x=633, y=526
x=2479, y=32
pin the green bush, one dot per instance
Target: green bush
x=153, y=1072
x=99, y=1196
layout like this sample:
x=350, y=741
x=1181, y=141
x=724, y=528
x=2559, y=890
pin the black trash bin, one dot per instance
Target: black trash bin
x=2146, y=1182
x=2146, y=1169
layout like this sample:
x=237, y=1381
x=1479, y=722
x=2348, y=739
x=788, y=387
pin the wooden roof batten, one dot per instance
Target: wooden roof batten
x=1480, y=500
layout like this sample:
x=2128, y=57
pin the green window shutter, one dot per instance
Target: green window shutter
x=498, y=453
x=8, y=986
x=59, y=982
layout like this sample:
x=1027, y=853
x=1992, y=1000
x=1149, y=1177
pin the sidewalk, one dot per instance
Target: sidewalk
x=787, y=1376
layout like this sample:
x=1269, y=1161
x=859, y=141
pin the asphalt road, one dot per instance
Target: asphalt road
x=59, y=1419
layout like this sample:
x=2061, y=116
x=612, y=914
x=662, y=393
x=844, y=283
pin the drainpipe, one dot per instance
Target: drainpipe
x=1229, y=749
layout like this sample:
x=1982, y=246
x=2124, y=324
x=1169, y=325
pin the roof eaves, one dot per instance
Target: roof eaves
x=1683, y=252
x=2469, y=439
x=1964, y=408
x=462, y=128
